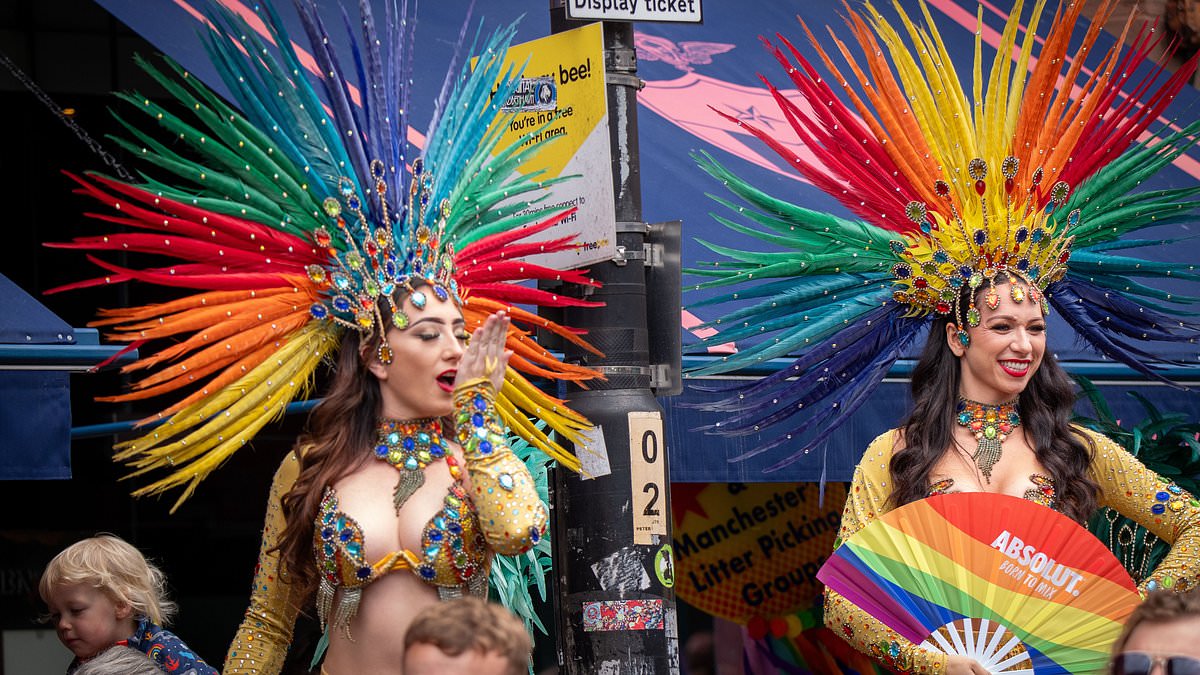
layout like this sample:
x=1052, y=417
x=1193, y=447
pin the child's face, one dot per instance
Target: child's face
x=87, y=620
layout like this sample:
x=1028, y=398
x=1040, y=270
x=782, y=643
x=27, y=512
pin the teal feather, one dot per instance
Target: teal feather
x=822, y=323
x=801, y=296
x=1130, y=288
x=256, y=149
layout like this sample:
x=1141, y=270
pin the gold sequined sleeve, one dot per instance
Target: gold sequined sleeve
x=511, y=514
x=1156, y=503
x=263, y=638
x=867, y=500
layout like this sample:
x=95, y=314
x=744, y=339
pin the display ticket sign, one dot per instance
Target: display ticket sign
x=677, y=11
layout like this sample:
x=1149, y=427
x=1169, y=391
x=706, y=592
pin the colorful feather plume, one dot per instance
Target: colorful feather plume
x=909, y=155
x=244, y=202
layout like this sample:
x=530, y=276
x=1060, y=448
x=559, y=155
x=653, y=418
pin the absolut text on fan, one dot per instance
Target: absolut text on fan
x=1035, y=569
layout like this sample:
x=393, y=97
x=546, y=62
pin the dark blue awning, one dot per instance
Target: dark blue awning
x=37, y=352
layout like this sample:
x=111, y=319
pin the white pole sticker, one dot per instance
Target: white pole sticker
x=647, y=465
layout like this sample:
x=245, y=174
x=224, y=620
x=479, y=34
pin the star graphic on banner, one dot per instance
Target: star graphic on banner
x=685, y=499
x=752, y=115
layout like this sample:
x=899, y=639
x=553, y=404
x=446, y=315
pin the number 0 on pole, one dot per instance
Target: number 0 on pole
x=648, y=467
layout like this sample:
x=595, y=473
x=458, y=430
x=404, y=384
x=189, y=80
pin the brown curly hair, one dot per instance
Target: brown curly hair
x=471, y=624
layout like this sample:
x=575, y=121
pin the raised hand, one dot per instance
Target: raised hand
x=486, y=355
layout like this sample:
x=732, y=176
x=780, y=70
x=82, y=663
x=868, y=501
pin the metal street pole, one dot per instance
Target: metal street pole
x=613, y=562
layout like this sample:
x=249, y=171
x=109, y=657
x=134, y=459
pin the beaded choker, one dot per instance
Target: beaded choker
x=991, y=424
x=410, y=446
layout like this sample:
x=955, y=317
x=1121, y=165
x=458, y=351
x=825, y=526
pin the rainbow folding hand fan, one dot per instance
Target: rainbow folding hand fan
x=1014, y=585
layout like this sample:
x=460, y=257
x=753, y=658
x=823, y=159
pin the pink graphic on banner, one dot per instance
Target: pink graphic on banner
x=683, y=55
x=688, y=102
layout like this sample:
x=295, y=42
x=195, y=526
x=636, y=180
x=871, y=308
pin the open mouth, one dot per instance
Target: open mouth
x=1015, y=368
x=446, y=380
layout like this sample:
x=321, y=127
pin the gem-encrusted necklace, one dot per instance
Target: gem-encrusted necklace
x=410, y=446
x=991, y=424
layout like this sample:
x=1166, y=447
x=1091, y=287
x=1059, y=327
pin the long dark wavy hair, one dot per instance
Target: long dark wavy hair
x=341, y=432
x=341, y=428
x=1045, y=408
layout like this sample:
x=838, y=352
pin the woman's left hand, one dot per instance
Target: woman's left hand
x=486, y=355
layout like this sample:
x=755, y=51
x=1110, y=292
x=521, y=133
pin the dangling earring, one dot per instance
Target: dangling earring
x=963, y=338
x=384, y=353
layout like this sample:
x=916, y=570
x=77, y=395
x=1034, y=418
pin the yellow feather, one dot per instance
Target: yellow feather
x=215, y=425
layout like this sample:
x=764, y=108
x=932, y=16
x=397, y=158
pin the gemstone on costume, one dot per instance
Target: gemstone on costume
x=916, y=211
x=332, y=209
x=316, y=273
x=322, y=237
x=1058, y=193
x=318, y=311
x=1009, y=167
x=418, y=299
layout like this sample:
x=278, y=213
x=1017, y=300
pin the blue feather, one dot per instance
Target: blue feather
x=1066, y=298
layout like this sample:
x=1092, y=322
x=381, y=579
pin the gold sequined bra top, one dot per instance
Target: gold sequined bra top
x=453, y=555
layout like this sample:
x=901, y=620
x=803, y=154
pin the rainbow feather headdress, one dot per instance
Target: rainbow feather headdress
x=1013, y=181
x=294, y=217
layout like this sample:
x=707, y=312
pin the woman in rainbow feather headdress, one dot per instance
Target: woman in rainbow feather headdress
x=311, y=235
x=978, y=214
